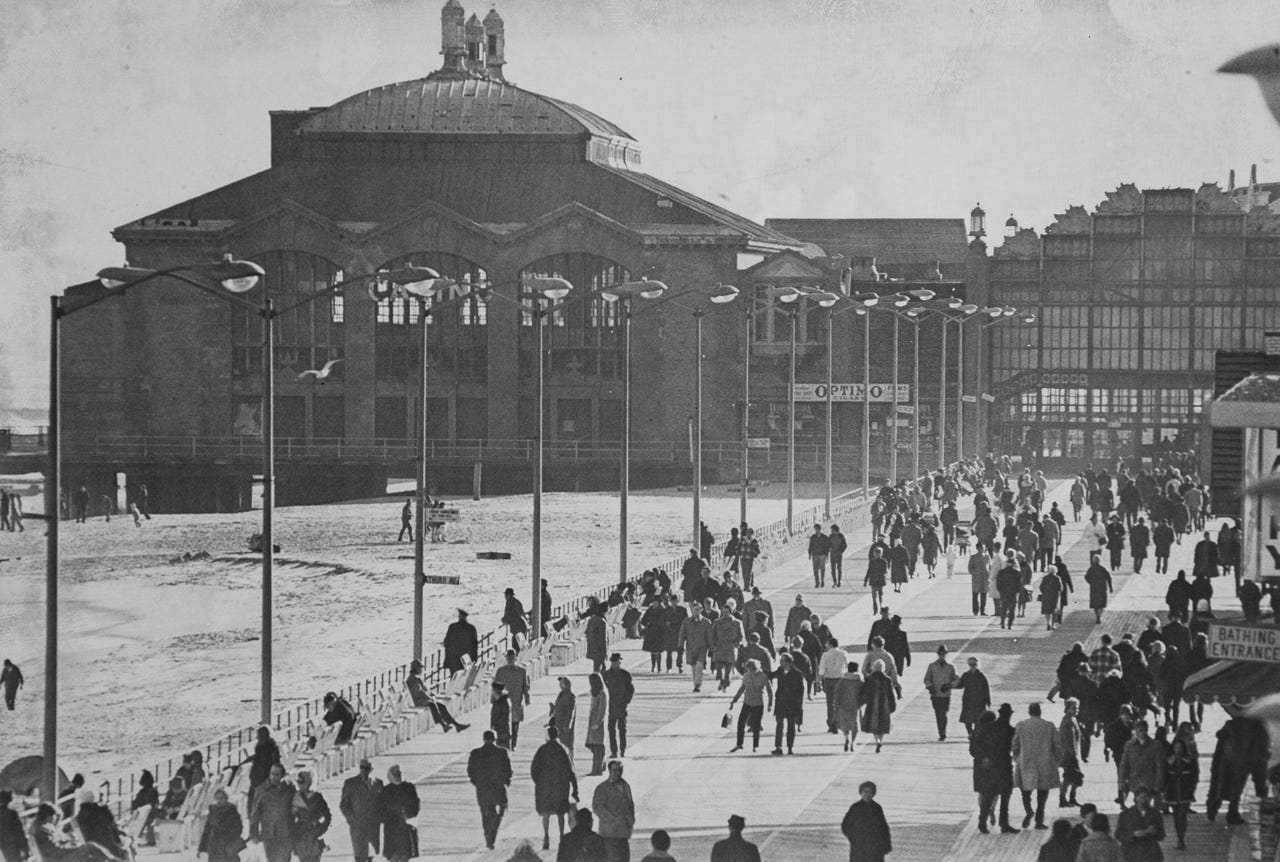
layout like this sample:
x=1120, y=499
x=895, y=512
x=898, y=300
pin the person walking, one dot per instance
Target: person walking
x=653, y=632
x=990, y=749
x=1069, y=735
x=879, y=694
x=1140, y=829
x=406, y=521
x=1100, y=586
x=940, y=678
x=979, y=564
x=876, y=578
x=515, y=681
x=1050, y=597
x=564, y=713
x=976, y=695
x=831, y=669
x=848, y=703
x=756, y=692
x=266, y=755
x=838, y=545
x=819, y=550
x=615, y=811
x=899, y=565
x=735, y=848
x=399, y=804
x=221, y=839
x=460, y=639
x=1142, y=762
x=514, y=619
x=359, y=806
x=1115, y=540
x=1139, y=544
x=1162, y=537
x=597, y=720
x=866, y=827
x=617, y=680
x=1036, y=754
x=695, y=642
x=500, y=714
x=1009, y=587
x=311, y=819
x=271, y=816
x=489, y=770
x=11, y=679
x=788, y=704
x=1182, y=774
x=597, y=639
x=727, y=636
x=555, y=785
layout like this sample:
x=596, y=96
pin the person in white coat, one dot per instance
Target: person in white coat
x=1036, y=753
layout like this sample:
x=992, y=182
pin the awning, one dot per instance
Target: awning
x=1232, y=683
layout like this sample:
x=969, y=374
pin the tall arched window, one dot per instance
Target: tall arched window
x=307, y=337
x=458, y=341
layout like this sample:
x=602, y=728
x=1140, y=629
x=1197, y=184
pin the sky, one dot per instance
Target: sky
x=774, y=108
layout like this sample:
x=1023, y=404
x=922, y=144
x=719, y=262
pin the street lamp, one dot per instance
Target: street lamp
x=964, y=312
x=237, y=278
x=995, y=314
x=543, y=291
x=859, y=304
x=913, y=313
x=233, y=275
x=780, y=296
x=824, y=299
x=625, y=292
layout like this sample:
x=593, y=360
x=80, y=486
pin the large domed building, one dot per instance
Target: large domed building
x=462, y=171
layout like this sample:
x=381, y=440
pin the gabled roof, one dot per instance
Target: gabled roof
x=889, y=241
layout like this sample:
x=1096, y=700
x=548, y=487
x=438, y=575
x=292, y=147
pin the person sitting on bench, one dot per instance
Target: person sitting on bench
x=421, y=697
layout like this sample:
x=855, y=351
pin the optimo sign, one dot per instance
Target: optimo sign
x=1240, y=642
x=880, y=392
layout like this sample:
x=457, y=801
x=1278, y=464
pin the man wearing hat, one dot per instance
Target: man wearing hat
x=617, y=679
x=489, y=769
x=359, y=806
x=460, y=639
x=939, y=678
x=756, y=605
x=735, y=848
x=515, y=680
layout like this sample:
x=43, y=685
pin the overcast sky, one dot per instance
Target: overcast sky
x=787, y=108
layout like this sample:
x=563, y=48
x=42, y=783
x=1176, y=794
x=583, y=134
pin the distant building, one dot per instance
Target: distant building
x=1132, y=302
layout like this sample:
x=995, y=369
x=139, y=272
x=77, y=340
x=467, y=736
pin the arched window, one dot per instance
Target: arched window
x=457, y=343
x=583, y=331
x=307, y=337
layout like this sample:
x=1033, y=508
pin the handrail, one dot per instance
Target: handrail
x=233, y=748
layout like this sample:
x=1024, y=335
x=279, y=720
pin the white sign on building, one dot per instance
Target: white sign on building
x=881, y=393
x=1236, y=642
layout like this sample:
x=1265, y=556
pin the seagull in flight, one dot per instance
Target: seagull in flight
x=320, y=373
x=1264, y=65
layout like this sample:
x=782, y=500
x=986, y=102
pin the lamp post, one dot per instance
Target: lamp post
x=894, y=303
x=625, y=292
x=859, y=303
x=234, y=275
x=965, y=312
x=824, y=299
x=914, y=313
x=239, y=277
x=781, y=296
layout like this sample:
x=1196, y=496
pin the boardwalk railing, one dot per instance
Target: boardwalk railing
x=293, y=726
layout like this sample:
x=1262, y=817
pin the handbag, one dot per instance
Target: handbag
x=413, y=840
x=727, y=718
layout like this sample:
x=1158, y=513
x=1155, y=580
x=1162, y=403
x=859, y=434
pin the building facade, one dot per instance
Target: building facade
x=1132, y=301
x=462, y=171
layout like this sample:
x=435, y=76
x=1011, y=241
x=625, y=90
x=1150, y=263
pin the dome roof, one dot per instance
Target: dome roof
x=442, y=104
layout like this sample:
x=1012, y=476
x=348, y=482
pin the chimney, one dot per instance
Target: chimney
x=452, y=44
x=495, y=45
x=1231, y=180
x=475, y=46
x=1253, y=176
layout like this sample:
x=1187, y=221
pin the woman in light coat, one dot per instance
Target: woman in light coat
x=596, y=718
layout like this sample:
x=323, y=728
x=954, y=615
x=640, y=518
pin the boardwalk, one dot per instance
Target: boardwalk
x=685, y=780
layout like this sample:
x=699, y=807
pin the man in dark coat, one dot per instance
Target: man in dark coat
x=1008, y=586
x=788, y=704
x=992, y=752
x=1139, y=543
x=271, y=816
x=1206, y=558
x=882, y=628
x=489, y=769
x=460, y=639
x=513, y=618
x=1162, y=537
x=338, y=711
x=581, y=844
x=1241, y=754
x=735, y=848
x=359, y=805
x=13, y=838
x=866, y=828
x=12, y=680
x=617, y=679
x=1178, y=596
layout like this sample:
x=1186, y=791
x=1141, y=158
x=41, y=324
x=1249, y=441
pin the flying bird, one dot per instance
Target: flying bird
x=1264, y=65
x=320, y=374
